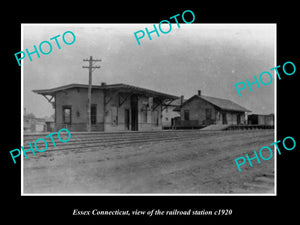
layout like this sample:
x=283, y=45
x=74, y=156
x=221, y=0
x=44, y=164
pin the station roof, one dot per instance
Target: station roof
x=111, y=87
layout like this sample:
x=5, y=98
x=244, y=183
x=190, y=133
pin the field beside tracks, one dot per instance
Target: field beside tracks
x=201, y=164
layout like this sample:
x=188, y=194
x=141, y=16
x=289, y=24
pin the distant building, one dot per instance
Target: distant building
x=32, y=124
x=260, y=119
x=50, y=125
x=200, y=111
x=168, y=113
x=114, y=107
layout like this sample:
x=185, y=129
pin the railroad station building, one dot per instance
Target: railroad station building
x=114, y=107
x=200, y=111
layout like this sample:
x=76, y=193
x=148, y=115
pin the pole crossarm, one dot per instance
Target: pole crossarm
x=94, y=60
x=88, y=67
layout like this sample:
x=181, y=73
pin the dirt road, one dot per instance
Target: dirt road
x=204, y=165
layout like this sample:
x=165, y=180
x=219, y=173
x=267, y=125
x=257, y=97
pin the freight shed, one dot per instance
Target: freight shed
x=260, y=119
x=114, y=107
x=200, y=111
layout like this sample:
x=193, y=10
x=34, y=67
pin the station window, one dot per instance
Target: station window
x=93, y=114
x=145, y=116
x=67, y=114
x=186, y=115
x=208, y=114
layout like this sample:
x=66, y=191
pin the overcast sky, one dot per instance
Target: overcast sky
x=206, y=57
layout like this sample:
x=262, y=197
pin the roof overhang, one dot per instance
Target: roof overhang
x=124, y=88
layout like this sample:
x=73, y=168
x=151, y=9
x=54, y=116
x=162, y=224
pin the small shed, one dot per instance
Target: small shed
x=261, y=119
x=32, y=124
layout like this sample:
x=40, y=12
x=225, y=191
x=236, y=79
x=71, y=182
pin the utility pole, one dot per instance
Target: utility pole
x=90, y=67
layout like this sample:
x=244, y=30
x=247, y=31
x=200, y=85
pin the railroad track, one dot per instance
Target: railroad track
x=113, y=139
x=82, y=141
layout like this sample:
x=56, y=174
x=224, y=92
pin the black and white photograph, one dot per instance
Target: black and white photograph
x=159, y=115
x=149, y=113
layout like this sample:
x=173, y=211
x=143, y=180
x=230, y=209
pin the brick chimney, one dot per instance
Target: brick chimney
x=181, y=99
x=199, y=92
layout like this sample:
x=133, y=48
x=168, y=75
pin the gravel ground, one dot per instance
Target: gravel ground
x=201, y=166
